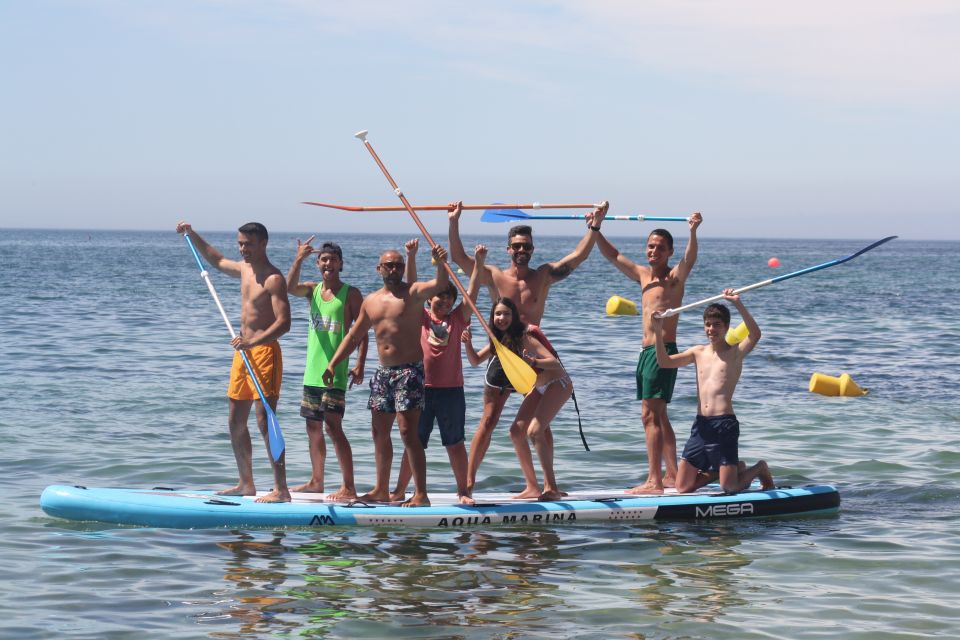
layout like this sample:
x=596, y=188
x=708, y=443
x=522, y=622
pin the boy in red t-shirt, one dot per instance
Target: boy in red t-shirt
x=444, y=401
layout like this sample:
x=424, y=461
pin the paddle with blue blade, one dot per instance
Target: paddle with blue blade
x=512, y=215
x=466, y=207
x=786, y=276
x=274, y=435
x=521, y=375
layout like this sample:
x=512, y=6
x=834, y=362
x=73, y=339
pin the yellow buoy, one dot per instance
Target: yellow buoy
x=737, y=334
x=830, y=386
x=617, y=306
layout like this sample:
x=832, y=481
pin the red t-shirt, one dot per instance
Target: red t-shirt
x=440, y=340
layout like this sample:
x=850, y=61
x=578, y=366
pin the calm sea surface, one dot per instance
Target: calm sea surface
x=114, y=375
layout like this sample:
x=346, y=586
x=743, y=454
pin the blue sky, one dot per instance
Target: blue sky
x=814, y=119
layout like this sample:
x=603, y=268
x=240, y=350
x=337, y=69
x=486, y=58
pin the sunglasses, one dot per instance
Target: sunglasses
x=392, y=265
x=525, y=246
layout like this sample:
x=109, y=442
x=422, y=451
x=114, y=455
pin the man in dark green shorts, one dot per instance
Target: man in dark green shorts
x=662, y=287
x=652, y=381
x=334, y=305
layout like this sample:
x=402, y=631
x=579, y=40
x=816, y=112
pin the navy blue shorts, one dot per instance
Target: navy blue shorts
x=713, y=442
x=448, y=407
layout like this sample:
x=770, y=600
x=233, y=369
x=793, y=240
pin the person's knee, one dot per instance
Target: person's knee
x=537, y=430
x=518, y=430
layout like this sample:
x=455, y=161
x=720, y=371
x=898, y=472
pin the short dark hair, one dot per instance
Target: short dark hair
x=717, y=311
x=255, y=229
x=451, y=291
x=331, y=247
x=663, y=233
x=520, y=230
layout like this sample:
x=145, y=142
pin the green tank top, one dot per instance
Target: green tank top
x=325, y=334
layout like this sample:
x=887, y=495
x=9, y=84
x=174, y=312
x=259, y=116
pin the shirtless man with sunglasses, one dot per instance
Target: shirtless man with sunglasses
x=527, y=287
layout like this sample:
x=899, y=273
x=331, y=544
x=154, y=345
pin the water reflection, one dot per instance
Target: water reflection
x=477, y=584
x=255, y=572
x=695, y=577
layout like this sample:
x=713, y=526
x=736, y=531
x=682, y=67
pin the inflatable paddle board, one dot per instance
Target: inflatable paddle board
x=198, y=509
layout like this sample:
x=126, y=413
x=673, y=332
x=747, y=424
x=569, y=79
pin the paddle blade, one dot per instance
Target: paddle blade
x=519, y=373
x=503, y=215
x=277, y=444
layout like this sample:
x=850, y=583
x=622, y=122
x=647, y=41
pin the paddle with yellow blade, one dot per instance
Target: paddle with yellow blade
x=521, y=375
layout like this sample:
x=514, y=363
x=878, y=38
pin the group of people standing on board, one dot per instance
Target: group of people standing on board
x=419, y=381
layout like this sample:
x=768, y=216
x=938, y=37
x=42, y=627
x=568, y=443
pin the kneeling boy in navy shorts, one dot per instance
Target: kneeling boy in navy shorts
x=711, y=451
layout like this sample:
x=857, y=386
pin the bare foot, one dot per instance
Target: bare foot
x=645, y=488
x=375, y=496
x=465, y=499
x=398, y=496
x=238, y=490
x=417, y=500
x=669, y=482
x=343, y=494
x=526, y=494
x=275, y=496
x=308, y=487
x=766, y=478
x=550, y=496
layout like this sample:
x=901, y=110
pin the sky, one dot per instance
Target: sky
x=813, y=119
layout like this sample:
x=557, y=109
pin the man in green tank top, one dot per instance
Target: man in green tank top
x=334, y=305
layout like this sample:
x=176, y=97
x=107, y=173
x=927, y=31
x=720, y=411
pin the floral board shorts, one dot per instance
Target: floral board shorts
x=395, y=389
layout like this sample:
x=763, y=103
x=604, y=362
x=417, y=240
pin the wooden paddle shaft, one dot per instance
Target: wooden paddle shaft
x=362, y=135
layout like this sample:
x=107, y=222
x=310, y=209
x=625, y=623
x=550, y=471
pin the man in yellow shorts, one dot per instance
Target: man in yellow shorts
x=264, y=317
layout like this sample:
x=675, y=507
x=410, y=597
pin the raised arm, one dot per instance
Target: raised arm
x=664, y=359
x=473, y=287
x=294, y=286
x=213, y=256
x=354, y=302
x=424, y=290
x=747, y=344
x=565, y=266
x=410, y=272
x=685, y=266
x=626, y=266
x=457, y=253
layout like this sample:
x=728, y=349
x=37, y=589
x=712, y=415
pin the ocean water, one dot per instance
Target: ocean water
x=114, y=375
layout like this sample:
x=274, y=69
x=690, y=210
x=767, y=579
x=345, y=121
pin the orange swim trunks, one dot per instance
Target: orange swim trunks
x=267, y=362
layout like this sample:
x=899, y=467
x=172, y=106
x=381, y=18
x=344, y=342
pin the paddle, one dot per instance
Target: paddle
x=518, y=372
x=466, y=207
x=509, y=215
x=786, y=276
x=277, y=444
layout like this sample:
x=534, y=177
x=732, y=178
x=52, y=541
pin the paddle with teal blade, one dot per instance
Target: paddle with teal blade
x=786, y=276
x=274, y=435
x=511, y=215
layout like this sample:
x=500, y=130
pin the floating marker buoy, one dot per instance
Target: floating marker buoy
x=830, y=386
x=773, y=263
x=737, y=334
x=617, y=306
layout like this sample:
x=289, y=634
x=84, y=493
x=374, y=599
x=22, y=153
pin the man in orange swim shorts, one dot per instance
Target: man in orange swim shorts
x=264, y=317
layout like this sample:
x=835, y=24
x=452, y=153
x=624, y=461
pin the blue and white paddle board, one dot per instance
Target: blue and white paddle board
x=199, y=509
